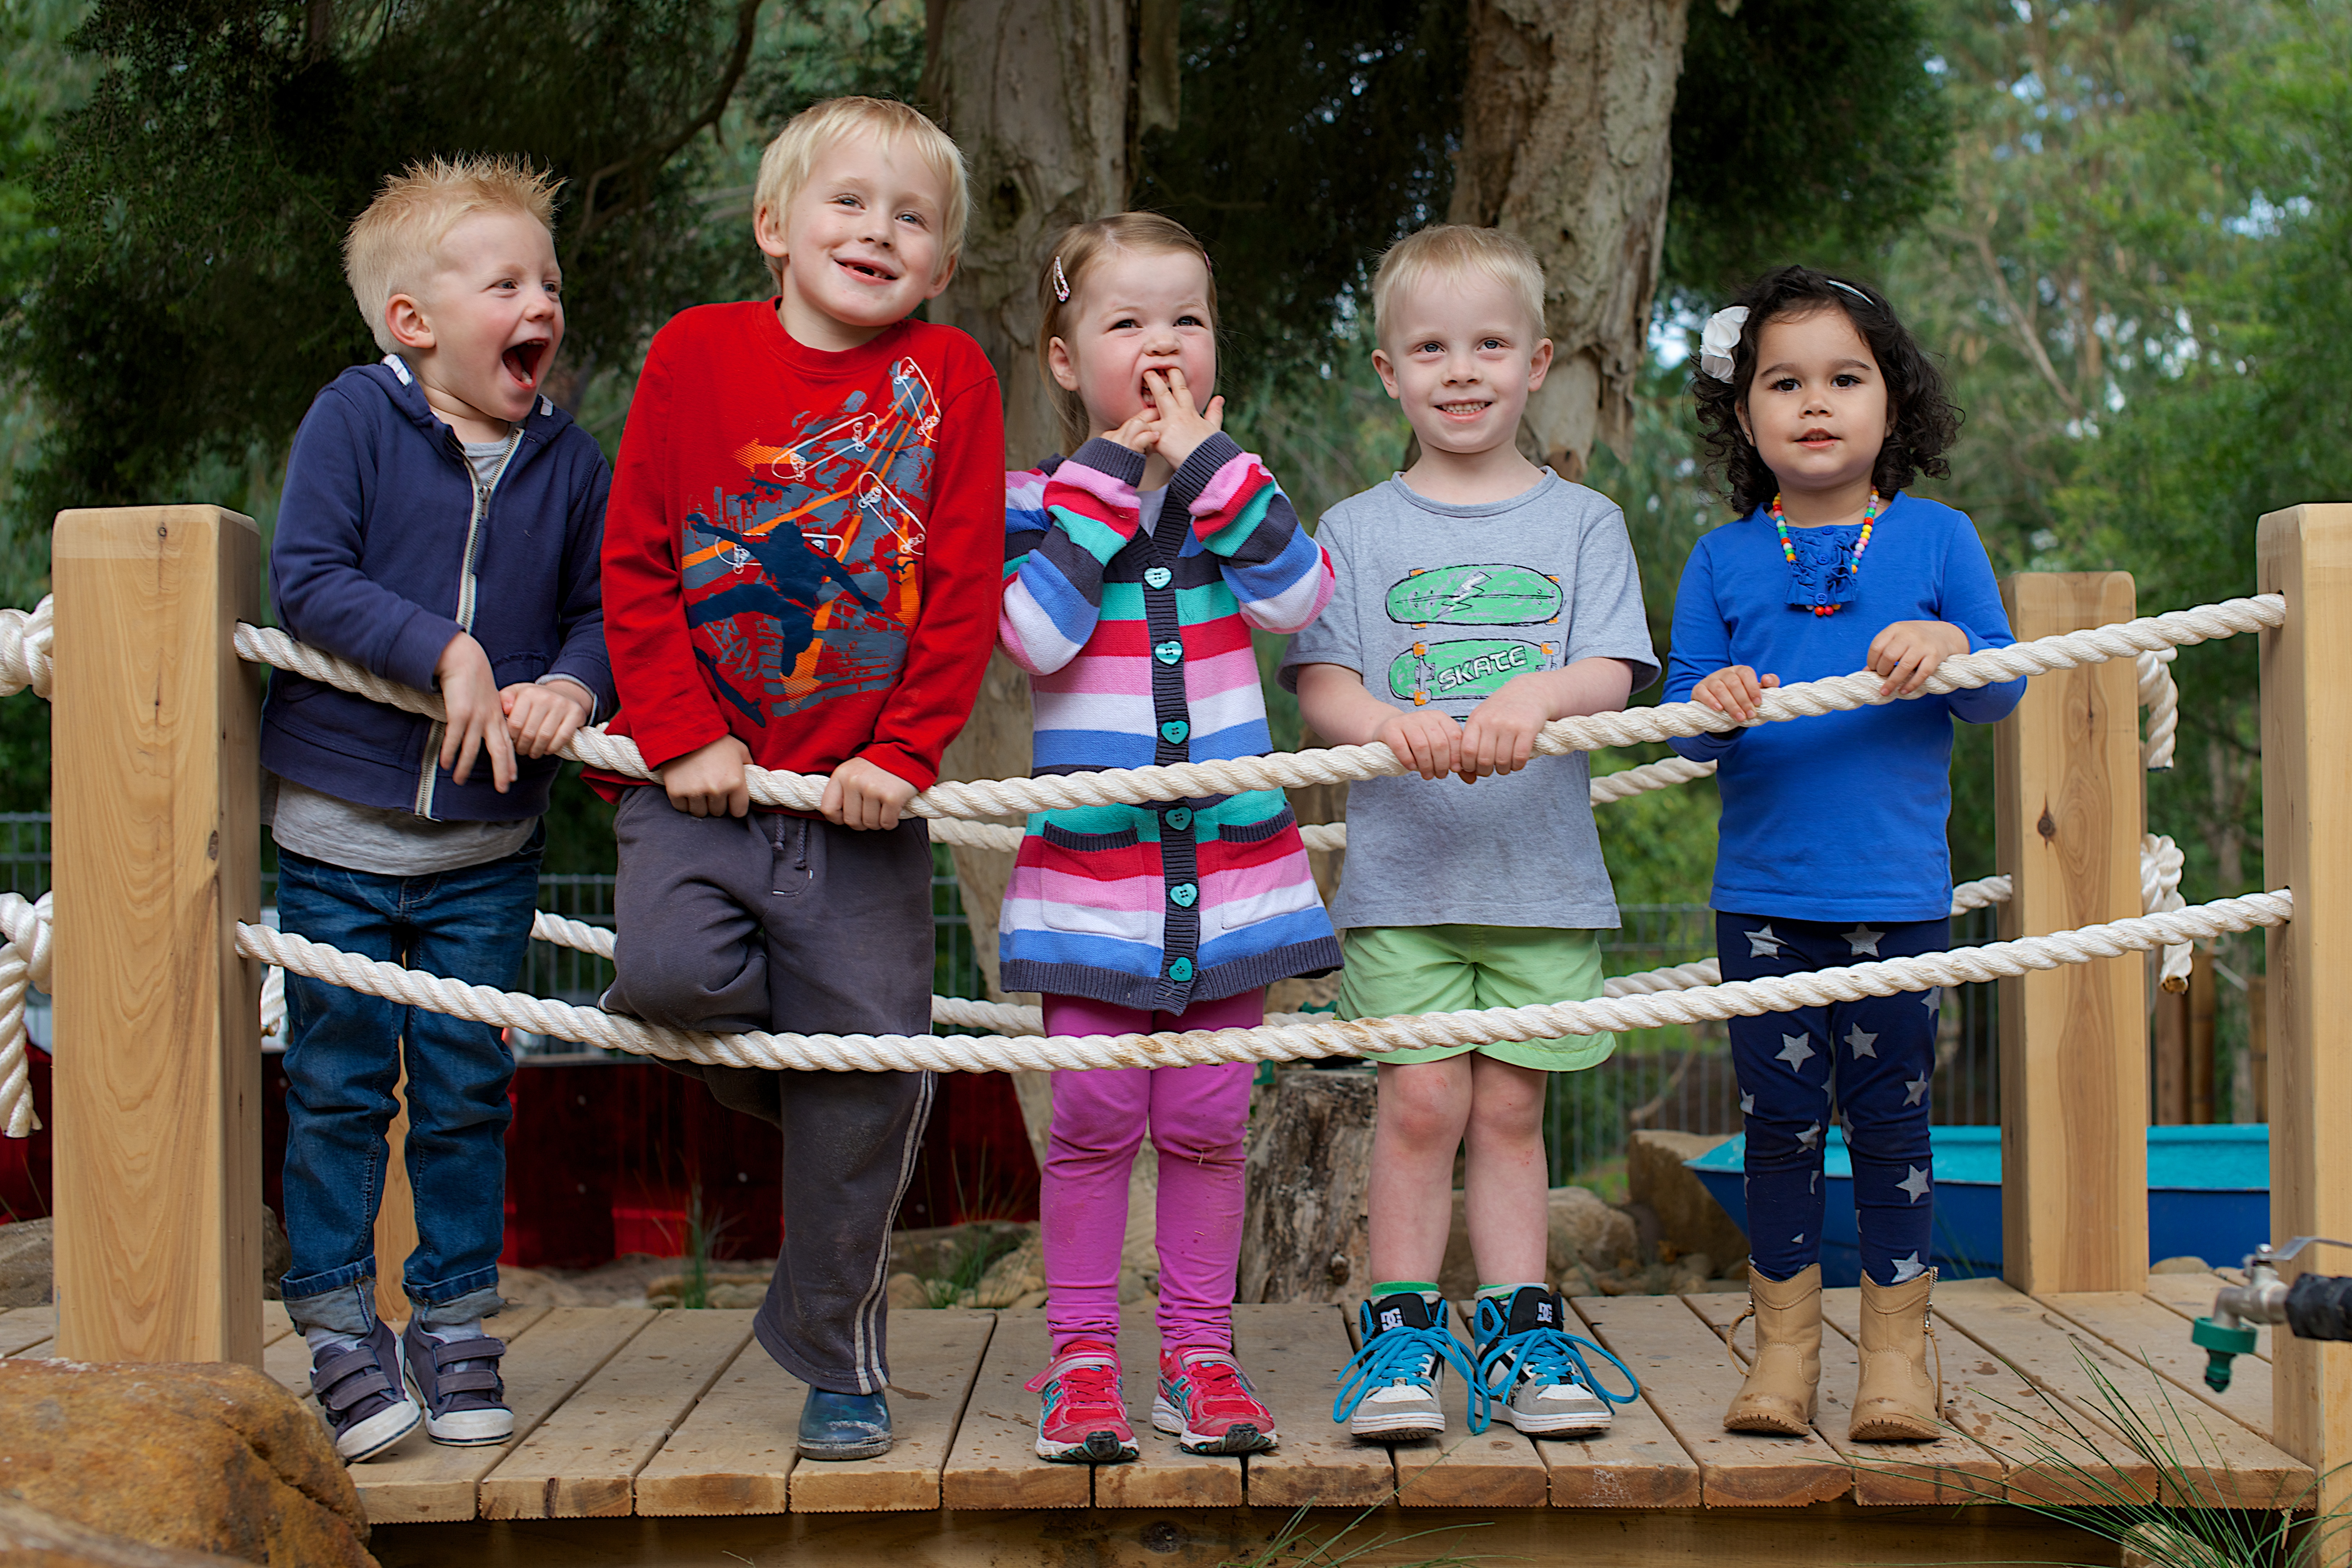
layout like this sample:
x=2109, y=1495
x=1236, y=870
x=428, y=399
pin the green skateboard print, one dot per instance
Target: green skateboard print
x=1476, y=667
x=1492, y=595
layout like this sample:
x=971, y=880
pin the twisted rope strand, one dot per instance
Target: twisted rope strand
x=25, y=962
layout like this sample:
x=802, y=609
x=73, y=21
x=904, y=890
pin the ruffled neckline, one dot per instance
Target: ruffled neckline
x=1823, y=574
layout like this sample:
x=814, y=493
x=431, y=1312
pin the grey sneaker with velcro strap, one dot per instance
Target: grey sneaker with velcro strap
x=363, y=1394
x=457, y=1382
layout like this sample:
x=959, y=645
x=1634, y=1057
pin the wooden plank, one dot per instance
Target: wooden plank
x=2073, y=1055
x=157, y=836
x=2140, y=1331
x=582, y=1459
x=1498, y=1468
x=1637, y=1463
x=27, y=1329
x=2191, y=1295
x=2211, y=1461
x=275, y=1324
x=395, y=1209
x=735, y=1454
x=2305, y=553
x=1164, y=1475
x=994, y=1462
x=1294, y=1353
x=1688, y=1378
x=934, y=1358
x=552, y=1352
x=1951, y=1470
x=288, y=1359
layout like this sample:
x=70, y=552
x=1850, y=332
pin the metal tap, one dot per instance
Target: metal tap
x=2312, y=1308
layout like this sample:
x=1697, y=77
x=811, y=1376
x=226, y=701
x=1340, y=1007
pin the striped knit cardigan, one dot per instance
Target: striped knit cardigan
x=1137, y=646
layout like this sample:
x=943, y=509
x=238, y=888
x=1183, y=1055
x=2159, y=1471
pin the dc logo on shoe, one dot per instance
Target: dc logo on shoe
x=1543, y=1312
x=1391, y=1319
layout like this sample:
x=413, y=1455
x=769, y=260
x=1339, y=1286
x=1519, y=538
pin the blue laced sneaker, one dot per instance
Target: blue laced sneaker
x=1534, y=1369
x=844, y=1426
x=1389, y=1390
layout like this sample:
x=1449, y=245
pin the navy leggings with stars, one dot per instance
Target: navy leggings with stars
x=1867, y=1065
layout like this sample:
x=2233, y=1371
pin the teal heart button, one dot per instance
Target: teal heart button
x=1183, y=895
x=1181, y=970
x=1174, y=730
x=1179, y=818
x=1168, y=652
x=1158, y=577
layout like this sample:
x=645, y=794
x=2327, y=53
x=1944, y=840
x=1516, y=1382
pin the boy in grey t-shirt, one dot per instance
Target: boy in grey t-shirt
x=1478, y=599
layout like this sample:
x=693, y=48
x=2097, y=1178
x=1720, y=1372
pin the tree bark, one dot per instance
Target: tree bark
x=1565, y=143
x=1306, y=1234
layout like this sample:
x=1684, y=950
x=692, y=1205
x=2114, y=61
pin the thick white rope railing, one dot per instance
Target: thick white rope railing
x=24, y=964
x=2161, y=698
x=1177, y=781
x=1272, y=1041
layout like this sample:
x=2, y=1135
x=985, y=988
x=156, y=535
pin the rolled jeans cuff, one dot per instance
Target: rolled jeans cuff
x=348, y=1309
x=482, y=1303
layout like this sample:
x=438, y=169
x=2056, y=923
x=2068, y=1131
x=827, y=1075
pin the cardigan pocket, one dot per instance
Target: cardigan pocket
x=1255, y=873
x=1100, y=884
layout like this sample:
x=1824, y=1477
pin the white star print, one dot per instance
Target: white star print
x=1864, y=1043
x=1794, y=1051
x=1746, y=1105
x=1862, y=939
x=1762, y=943
x=1934, y=997
x=1915, y=1089
x=1907, y=1268
x=1915, y=1183
x=1798, y=1239
x=1817, y=1183
x=1811, y=1137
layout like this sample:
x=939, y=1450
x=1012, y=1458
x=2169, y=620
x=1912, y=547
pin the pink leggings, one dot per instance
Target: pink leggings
x=1197, y=1117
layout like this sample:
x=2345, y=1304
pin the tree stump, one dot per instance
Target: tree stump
x=1306, y=1235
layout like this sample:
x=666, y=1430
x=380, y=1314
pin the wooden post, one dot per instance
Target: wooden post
x=2073, y=1041
x=2305, y=553
x=158, y=1081
x=395, y=1213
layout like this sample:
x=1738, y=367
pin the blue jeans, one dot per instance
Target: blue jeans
x=343, y=1052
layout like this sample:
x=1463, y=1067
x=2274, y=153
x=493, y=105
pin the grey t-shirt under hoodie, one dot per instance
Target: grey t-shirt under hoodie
x=1438, y=606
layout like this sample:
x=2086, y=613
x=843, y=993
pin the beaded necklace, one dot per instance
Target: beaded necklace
x=1854, y=564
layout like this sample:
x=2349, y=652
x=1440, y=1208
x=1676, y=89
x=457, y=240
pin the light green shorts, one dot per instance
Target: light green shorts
x=1454, y=968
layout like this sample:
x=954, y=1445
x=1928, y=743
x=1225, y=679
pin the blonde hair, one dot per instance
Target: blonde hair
x=390, y=248
x=785, y=166
x=1451, y=250
x=1075, y=253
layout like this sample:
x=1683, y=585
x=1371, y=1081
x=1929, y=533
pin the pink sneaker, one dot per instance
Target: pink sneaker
x=1206, y=1402
x=1081, y=1419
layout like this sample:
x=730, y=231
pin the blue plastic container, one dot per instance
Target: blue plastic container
x=2208, y=1196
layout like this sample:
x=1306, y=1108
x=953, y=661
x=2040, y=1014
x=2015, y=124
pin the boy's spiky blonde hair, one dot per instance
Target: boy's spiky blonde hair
x=1451, y=250
x=785, y=166
x=391, y=248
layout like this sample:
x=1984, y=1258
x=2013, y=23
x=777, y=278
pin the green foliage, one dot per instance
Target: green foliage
x=1801, y=130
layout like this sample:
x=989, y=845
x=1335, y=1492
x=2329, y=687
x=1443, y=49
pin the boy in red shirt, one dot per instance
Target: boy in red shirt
x=801, y=570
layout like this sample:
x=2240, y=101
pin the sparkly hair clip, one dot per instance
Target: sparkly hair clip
x=1061, y=282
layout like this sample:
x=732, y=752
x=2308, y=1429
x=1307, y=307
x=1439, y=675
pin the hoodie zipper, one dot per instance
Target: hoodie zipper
x=428, y=774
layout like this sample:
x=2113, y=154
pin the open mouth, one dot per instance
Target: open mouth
x=523, y=360
x=1817, y=440
x=1464, y=410
x=869, y=271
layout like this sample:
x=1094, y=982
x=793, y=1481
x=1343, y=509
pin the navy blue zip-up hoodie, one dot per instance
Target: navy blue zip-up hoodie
x=384, y=553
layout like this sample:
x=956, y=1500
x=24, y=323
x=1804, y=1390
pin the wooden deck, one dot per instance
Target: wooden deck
x=680, y=1415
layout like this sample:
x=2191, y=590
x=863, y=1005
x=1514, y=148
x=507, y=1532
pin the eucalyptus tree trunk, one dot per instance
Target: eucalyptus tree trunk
x=1565, y=143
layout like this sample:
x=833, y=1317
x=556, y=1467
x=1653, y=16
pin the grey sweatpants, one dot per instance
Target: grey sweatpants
x=783, y=922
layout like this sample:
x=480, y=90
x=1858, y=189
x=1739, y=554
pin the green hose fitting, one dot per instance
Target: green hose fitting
x=2221, y=1344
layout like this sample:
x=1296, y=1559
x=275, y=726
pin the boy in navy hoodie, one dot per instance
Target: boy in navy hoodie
x=441, y=525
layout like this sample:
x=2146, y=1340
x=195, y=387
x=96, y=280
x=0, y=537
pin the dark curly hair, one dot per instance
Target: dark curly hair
x=1921, y=420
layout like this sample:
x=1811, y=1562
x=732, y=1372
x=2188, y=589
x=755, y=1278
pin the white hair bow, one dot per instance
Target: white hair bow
x=1720, y=341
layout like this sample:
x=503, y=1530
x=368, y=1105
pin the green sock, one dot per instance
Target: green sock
x=1404, y=1287
x=1505, y=1292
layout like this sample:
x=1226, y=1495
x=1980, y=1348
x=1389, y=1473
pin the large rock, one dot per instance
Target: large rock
x=202, y=1456
x=30, y=1538
x=1580, y=1230
x=1688, y=1218
x=25, y=1263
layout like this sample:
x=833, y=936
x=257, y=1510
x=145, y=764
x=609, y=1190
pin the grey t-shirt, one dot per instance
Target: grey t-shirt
x=1438, y=606
x=391, y=842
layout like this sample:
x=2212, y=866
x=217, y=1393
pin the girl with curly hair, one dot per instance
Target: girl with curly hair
x=1819, y=408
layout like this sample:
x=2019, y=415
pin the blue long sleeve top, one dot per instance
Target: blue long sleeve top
x=1839, y=818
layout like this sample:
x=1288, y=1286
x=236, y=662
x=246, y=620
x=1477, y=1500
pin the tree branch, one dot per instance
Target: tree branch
x=592, y=218
x=2030, y=339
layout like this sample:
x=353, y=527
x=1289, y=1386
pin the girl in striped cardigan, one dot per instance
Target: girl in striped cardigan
x=1134, y=570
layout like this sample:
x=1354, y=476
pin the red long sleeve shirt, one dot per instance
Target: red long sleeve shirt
x=802, y=548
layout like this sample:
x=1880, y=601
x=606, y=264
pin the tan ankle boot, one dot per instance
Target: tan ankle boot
x=1786, y=1375
x=1898, y=1397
